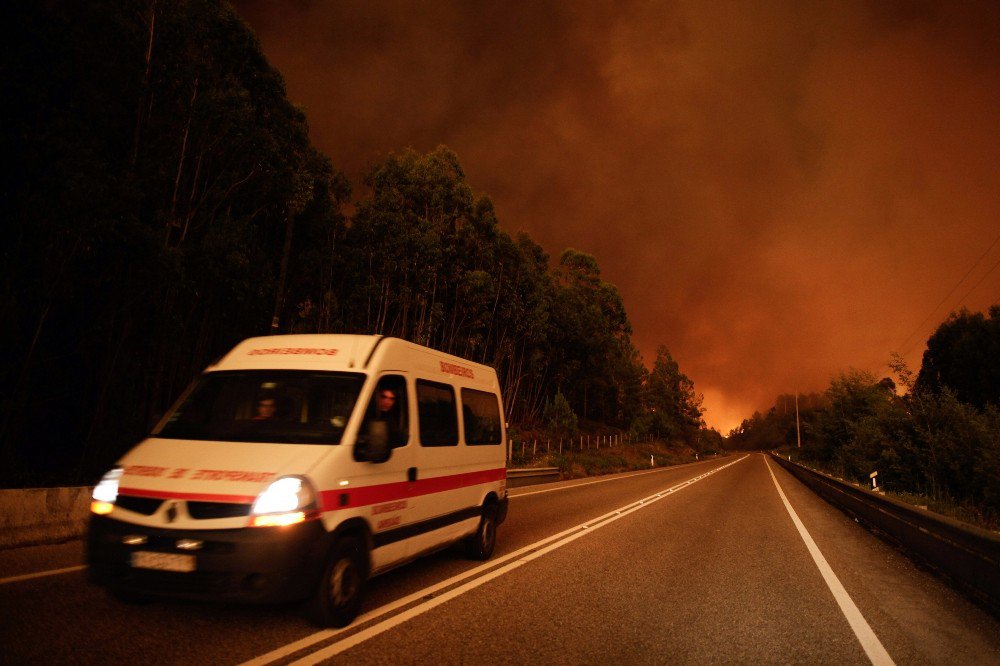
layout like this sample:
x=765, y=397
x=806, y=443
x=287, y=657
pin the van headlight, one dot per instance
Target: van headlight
x=102, y=501
x=287, y=501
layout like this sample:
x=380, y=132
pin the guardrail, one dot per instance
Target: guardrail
x=530, y=476
x=966, y=556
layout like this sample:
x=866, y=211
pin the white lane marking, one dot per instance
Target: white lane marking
x=526, y=554
x=291, y=648
x=40, y=574
x=590, y=483
x=869, y=641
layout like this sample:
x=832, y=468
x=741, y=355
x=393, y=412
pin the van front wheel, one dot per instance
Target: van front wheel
x=480, y=545
x=338, y=597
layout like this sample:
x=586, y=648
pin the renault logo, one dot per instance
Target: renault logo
x=172, y=512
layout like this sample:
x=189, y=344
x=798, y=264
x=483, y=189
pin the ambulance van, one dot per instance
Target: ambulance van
x=298, y=466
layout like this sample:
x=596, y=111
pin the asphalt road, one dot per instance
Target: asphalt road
x=709, y=568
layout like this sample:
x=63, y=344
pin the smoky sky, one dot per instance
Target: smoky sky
x=780, y=190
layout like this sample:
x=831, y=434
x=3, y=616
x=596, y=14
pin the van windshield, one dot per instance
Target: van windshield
x=284, y=406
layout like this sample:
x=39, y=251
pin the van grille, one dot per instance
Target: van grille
x=147, y=506
x=208, y=510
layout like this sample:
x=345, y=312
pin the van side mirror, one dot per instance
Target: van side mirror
x=373, y=446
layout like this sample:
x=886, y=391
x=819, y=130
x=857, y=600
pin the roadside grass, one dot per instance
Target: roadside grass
x=948, y=507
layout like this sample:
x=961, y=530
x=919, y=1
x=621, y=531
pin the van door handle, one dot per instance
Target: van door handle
x=411, y=474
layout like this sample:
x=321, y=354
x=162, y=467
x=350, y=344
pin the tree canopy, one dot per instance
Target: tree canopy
x=963, y=355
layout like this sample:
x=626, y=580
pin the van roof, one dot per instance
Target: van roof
x=349, y=353
x=299, y=352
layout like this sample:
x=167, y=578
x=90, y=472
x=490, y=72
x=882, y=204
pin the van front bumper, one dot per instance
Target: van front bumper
x=252, y=564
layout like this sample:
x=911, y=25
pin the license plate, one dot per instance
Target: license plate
x=162, y=561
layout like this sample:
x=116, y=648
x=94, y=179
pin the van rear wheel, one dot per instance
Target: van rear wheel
x=480, y=546
x=337, y=600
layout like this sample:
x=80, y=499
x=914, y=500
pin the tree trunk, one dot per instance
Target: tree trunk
x=172, y=222
x=140, y=115
x=279, y=296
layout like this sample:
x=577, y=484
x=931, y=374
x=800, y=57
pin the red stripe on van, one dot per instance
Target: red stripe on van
x=356, y=497
x=387, y=492
x=194, y=497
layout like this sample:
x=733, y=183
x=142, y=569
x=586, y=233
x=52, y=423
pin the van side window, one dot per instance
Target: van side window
x=388, y=404
x=437, y=414
x=481, y=413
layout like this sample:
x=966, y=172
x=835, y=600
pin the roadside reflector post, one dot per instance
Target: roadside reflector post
x=651, y=463
x=874, y=477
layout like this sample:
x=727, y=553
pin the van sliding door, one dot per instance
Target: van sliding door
x=444, y=507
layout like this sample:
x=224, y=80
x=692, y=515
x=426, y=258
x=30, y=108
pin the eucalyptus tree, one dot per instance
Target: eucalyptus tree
x=428, y=261
x=672, y=407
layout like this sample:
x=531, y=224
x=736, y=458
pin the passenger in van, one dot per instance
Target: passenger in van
x=387, y=409
x=266, y=409
x=386, y=402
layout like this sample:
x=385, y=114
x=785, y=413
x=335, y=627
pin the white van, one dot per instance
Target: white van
x=302, y=465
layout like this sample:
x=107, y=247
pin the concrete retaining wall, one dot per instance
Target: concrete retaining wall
x=42, y=515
